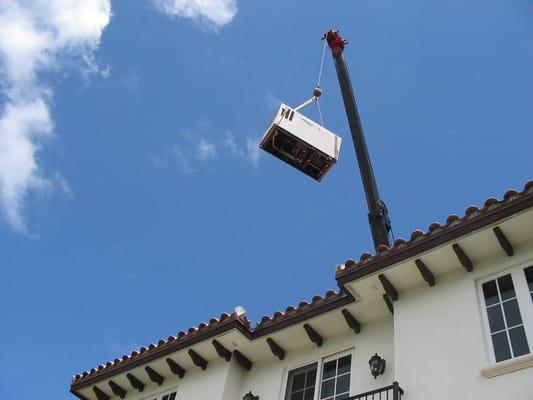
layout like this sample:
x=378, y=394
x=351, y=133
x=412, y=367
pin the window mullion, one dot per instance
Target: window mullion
x=500, y=304
x=318, y=379
x=507, y=333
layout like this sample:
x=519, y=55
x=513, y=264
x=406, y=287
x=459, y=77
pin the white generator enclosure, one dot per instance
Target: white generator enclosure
x=302, y=143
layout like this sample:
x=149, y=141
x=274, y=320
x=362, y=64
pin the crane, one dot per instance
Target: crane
x=378, y=215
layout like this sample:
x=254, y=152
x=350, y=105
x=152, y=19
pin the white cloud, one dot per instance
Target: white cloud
x=158, y=162
x=183, y=162
x=252, y=151
x=63, y=185
x=210, y=13
x=231, y=145
x=194, y=152
x=206, y=150
x=21, y=126
x=38, y=36
x=249, y=152
x=272, y=101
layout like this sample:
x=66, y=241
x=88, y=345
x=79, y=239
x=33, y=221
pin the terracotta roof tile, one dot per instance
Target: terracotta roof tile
x=303, y=306
x=436, y=229
x=182, y=336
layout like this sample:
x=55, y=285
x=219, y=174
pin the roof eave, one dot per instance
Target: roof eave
x=431, y=241
x=344, y=298
x=234, y=323
x=280, y=323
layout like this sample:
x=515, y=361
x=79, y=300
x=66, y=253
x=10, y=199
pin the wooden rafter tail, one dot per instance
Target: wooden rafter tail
x=351, y=321
x=314, y=336
x=388, y=287
x=276, y=349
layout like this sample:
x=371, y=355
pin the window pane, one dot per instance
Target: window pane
x=329, y=369
x=336, y=378
x=501, y=346
x=490, y=292
x=342, y=396
x=298, y=382
x=297, y=396
x=165, y=397
x=343, y=384
x=495, y=318
x=327, y=388
x=529, y=277
x=309, y=394
x=512, y=313
x=344, y=365
x=519, y=341
x=311, y=378
x=506, y=287
x=172, y=396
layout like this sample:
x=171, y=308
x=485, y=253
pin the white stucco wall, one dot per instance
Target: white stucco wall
x=211, y=384
x=228, y=381
x=440, y=344
x=267, y=379
x=233, y=387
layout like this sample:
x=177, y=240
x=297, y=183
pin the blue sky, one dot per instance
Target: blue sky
x=134, y=202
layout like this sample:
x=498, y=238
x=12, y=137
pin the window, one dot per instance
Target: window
x=301, y=383
x=506, y=298
x=335, y=383
x=333, y=374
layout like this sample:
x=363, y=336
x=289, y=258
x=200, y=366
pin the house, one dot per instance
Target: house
x=446, y=314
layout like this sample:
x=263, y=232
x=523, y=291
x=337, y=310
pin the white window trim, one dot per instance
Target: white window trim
x=507, y=366
x=526, y=311
x=330, y=358
x=319, y=361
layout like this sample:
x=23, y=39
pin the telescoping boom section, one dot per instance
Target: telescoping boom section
x=377, y=211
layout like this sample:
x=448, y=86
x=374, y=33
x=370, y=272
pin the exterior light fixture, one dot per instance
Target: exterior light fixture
x=377, y=365
x=250, y=396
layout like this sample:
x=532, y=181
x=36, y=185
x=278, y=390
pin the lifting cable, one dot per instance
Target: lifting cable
x=318, y=83
x=317, y=92
x=321, y=66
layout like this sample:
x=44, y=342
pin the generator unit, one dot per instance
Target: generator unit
x=301, y=142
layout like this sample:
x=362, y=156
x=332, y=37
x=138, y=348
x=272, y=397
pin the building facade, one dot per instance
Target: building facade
x=446, y=314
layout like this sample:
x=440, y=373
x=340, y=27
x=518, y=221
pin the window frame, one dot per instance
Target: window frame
x=319, y=361
x=525, y=305
x=307, y=367
x=332, y=357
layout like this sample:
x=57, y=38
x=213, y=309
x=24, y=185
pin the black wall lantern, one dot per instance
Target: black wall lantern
x=250, y=396
x=377, y=365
